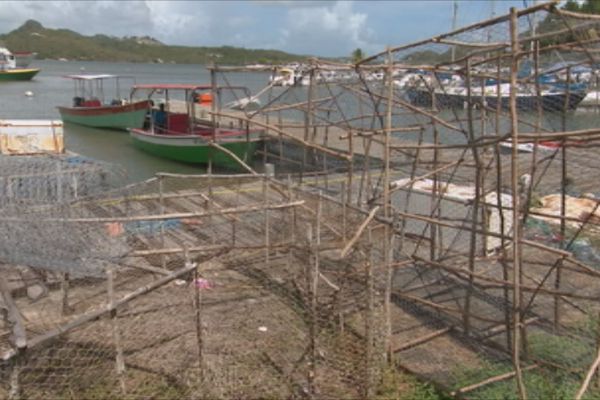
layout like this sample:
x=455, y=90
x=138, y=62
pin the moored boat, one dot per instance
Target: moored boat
x=90, y=108
x=549, y=99
x=543, y=145
x=180, y=135
x=9, y=71
x=24, y=58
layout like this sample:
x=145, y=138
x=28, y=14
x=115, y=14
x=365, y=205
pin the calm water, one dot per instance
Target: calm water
x=51, y=90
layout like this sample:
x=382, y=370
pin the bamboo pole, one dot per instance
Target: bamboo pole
x=116, y=334
x=96, y=314
x=475, y=206
x=197, y=303
x=421, y=340
x=368, y=391
x=494, y=379
x=588, y=377
x=18, y=340
x=15, y=390
x=516, y=244
x=359, y=232
x=387, y=248
x=64, y=291
x=201, y=214
x=475, y=26
x=290, y=136
x=232, y=155
x=266, y=222
x=161, y=202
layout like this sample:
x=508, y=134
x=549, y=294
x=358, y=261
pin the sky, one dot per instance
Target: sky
x=319, y=28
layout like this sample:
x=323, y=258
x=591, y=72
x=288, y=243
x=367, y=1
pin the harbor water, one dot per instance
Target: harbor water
x=50, y=89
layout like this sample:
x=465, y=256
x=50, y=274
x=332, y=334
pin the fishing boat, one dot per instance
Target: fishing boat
x=24, y=58
x=543, y=145
x=179, y=129
x=9, y=71
x=91, y=107
x=551, y=97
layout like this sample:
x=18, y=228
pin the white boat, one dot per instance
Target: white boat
x=285, y=77
x=10, y=71
x=592, y=99
x=24, y=58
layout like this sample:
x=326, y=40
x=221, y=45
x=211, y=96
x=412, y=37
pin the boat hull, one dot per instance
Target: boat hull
x=113, y=117
x=194, y=149
x=549, y=102
x=18, y=74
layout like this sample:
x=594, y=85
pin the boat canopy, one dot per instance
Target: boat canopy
x=172, y=86
x=90, y=77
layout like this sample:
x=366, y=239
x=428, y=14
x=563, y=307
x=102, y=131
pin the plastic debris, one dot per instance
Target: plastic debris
x=202, y=283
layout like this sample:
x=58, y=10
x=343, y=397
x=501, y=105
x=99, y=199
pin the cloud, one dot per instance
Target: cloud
x=114, y=18
x=334, y=29
x=321, y=28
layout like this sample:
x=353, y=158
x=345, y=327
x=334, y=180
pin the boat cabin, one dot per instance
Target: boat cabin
x=7, y=59
x=182, y=109
x=96, y=91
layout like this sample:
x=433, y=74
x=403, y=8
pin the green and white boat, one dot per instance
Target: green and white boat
x=179, y=131
x=9, y=71
x=91, y=107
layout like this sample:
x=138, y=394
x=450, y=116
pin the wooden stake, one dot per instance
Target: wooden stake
x=116, y=334
x=266, y=223
x=64, y=291
x=95, y=314
x=516, y=245
x=359, y=232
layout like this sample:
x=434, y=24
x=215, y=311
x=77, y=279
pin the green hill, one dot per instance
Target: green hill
x=63, y=43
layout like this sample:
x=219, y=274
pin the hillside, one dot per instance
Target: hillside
x=63, y=43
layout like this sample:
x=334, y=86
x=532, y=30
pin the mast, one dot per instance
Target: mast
x=454, y=17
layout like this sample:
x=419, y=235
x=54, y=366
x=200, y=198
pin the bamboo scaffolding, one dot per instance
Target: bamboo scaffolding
x=93, y=315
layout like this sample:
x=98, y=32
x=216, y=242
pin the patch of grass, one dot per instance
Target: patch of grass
x=539, y=383
x=560, y=349
x=396, y=385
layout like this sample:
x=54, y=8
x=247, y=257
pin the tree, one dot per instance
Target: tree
x=357, y=55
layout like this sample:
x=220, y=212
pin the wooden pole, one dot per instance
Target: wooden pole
x=266, y=221
x=197, y=302
x=563, y=203
x=588, y=376
x=14, y=392
x=116, y=334
x=161, y=201
x=476, y=199
x=359, y=232
x=387, y=248
x=597, y=385
x=18, y=340
x=311, y=281
x=95, y=314
x=369, y=317
x=516, y=243
x=64, y=291
x=344, y=211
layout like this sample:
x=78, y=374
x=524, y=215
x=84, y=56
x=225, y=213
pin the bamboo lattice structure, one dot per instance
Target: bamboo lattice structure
x=434, y=207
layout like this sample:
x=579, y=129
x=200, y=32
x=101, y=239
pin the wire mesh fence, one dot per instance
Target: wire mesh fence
x=434, y=206
x=220, y=289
